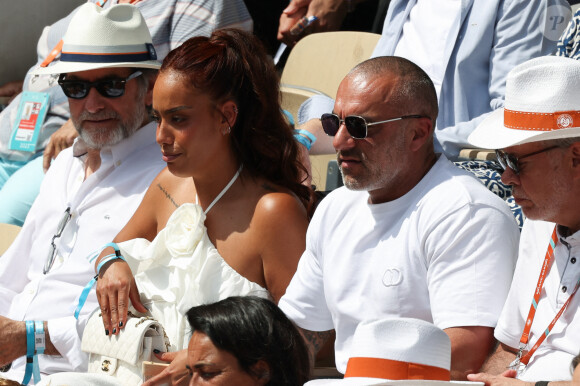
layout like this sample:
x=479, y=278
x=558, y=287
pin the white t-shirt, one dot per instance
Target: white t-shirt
x=551, y=362
x=438, y=20
x=444, y=253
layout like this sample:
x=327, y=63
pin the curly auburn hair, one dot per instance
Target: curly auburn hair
x=233, y=65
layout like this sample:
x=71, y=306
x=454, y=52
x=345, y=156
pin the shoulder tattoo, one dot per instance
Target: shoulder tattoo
x=167, y=195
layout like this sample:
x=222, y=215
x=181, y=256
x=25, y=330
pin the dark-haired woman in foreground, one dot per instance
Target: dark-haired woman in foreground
x=229, y=149
x=245, y=341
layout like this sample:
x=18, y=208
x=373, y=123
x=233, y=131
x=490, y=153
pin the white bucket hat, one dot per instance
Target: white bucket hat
x=542, y=102
x=103, y=38
x=403, y=352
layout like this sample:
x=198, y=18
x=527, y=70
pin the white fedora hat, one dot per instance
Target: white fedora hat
x=102, y=38
x=403, y=352
x=542, y=102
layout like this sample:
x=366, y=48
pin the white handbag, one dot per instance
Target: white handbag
x=121, y=355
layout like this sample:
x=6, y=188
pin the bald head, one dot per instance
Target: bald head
x=414, y=92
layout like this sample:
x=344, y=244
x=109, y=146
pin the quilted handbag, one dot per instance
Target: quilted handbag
x=121, y=355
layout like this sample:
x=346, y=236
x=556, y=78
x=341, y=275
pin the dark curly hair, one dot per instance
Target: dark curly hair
x=233, y=65
x=254, y=329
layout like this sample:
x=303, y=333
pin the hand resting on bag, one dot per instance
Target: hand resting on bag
x=115, y=287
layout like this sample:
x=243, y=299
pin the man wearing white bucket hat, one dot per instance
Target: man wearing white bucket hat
x=537, y=135
x=410, y=235
x=107, y=70
x=400, y=352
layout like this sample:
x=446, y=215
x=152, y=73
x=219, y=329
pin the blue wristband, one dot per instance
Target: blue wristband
x=114, y=246
x=29, y=352
x=304, y=137
x=106, y=259
x=85, y=293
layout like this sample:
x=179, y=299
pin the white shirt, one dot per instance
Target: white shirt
x=438, y=20
x=444, y=253
x=551, y=362
x=100, y=207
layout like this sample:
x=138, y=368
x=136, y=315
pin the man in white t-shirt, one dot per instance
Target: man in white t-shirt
x=410, y=234
x=538, y=133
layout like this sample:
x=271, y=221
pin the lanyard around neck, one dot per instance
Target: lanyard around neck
x=548, y=261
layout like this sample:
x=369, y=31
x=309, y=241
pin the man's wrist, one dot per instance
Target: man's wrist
x=305, y=138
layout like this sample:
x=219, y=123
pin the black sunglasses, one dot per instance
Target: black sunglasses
x=356, y=126
x=507, y=160
x=109, y=88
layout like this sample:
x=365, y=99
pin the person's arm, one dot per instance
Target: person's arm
x=500, y=360
x=309, y=120
x=281, y=242
x=13, y=340
x=330, y=14
x=116, y=285
x=508, y=379
x=464, y=359
x=314, y=340
x=464, y=301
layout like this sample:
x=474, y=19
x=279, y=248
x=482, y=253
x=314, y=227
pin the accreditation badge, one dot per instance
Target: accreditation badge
x=31, y=114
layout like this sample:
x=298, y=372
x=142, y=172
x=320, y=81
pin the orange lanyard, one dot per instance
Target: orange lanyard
x=548, y=260
x=58, y=48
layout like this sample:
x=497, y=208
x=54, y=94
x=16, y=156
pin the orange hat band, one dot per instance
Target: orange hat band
x=523, y=120
x=393, y=370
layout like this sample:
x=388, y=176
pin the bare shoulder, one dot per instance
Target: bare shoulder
x=276, y=200
x=280, y=218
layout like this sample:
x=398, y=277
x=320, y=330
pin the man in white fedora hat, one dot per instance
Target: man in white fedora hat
x=402, y=351
x=170, y=23
x=107, y=70
x=410, y=235
x=537, y=135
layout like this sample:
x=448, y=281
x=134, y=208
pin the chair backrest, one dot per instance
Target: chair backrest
x=8, y=233
x=320, y=61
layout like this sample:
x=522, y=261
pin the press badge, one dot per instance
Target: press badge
x=31, y=114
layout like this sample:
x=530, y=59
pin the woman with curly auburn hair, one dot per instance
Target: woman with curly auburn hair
x=228, y=216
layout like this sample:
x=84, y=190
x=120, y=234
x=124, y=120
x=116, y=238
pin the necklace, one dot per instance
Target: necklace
x=224, y=190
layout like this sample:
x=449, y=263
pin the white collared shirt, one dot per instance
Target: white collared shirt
x=551, y=361
x=100, y=207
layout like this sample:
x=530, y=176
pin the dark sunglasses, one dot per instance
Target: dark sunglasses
x=109, y=88
x=356, y=126
x=507, y=160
